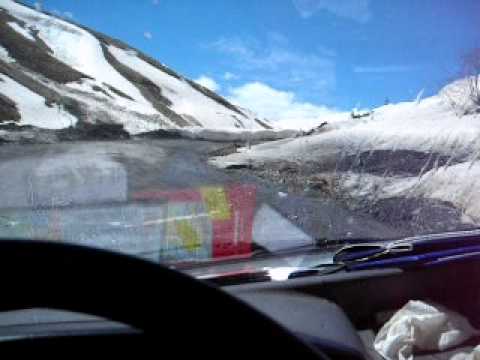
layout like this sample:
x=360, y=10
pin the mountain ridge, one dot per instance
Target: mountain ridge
x=88, y=76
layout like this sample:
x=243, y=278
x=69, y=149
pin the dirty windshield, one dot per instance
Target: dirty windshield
x=192, y=132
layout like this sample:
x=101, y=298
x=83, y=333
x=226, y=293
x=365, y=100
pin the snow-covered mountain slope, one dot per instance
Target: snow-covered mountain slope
x=417, y=151
x=85, y=76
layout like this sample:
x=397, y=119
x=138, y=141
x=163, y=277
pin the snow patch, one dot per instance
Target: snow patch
x=33, y=109
x=5, y=56
x=22, y=31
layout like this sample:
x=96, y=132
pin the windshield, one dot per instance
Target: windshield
x=202, y=134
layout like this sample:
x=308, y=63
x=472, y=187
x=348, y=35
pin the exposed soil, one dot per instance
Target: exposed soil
x=8, y=109
x=394, y=162
x=27, y=134
x=413, y=215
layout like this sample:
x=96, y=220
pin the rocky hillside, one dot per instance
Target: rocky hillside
x=55, y=74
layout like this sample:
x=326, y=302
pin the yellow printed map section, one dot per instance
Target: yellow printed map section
x=189, y=236
x=217, y=204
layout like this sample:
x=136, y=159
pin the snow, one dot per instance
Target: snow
x=86, y=86
x=186, y=99
x=98, y=105
x=430, y=125
x=80, y=50
x=22, y=31
x=5, y=56
x=457, y=95
x=457, y=184
x=133, y=123
x=32, y=107
x=305, y=124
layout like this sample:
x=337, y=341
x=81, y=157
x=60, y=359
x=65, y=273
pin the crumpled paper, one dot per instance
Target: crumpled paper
x=423, y=326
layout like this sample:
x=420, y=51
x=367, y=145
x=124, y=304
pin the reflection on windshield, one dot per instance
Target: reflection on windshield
x=171, y=226
x=62, y=180
x=88, y=197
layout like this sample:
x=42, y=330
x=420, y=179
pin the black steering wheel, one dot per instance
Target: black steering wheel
x=170, y=309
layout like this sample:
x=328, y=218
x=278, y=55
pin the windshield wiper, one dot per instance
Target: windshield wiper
x=421, y=250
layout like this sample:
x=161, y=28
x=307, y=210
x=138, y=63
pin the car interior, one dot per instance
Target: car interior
x=247, y=179
x=138, y=306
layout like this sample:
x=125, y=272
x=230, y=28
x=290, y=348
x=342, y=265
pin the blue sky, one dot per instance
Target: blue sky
x=310, y=54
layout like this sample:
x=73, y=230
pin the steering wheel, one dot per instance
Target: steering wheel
x=169, y=308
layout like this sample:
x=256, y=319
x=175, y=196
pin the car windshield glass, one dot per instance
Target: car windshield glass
x=200, y=134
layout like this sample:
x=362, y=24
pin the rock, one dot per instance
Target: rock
x=86, y=131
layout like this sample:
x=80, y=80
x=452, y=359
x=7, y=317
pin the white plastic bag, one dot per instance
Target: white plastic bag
x=423, y=326
x=466, y=355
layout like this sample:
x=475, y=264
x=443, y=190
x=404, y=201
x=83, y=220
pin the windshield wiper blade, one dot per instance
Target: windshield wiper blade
x=427, y=259
x=425, y=250
x=370, y=251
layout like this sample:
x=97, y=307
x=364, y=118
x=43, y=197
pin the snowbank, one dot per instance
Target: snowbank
x=430, y=125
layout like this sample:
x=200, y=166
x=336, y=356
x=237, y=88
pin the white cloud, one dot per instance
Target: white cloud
x=280, y=106
x=208, y=82
x=230, y=76
x=276, y=63
x=148, y=35
x=62, y=14
x=357, y=10
x=233, y=46
x=37, y=5
x=384, y=69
